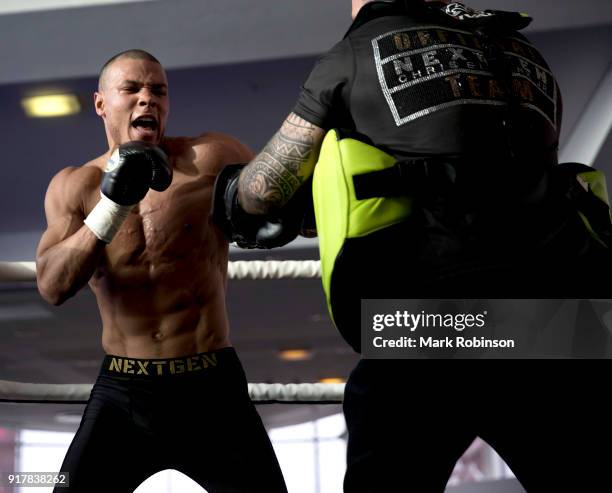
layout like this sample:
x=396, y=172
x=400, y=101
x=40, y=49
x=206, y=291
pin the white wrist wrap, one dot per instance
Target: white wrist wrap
x=106, y=218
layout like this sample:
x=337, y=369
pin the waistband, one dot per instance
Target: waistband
x=136, y=368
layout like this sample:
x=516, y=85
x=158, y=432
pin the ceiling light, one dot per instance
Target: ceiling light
x=331, y=380
x=19, y=6
x=295, y=354
x=51, y=105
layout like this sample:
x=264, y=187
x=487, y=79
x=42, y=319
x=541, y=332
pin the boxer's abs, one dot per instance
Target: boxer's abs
x=163, y=320
x=161, y=285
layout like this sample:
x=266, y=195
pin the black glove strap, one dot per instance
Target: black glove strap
x=235, y=224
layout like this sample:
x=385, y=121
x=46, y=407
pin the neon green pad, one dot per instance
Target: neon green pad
x=595, y=180
x=339, y=215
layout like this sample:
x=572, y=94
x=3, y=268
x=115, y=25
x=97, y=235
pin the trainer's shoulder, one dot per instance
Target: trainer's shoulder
x=212, y=151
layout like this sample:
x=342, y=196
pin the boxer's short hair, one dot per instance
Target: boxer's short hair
x=134, y=54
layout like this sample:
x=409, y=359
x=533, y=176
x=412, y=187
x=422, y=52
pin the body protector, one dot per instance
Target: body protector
x=362, y=196
x=586, y=188
x=340, y=215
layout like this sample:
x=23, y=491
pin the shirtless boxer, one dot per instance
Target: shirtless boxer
x=134, y=224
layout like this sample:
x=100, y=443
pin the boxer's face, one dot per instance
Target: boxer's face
x=133, y=101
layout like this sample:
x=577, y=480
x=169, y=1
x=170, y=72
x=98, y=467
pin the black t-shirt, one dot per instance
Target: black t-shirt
x=418, y=82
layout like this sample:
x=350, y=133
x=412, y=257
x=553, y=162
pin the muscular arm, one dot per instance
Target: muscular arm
x=287, y=161
x=68, y=252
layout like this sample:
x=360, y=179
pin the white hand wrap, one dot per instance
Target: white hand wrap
x=106, y=218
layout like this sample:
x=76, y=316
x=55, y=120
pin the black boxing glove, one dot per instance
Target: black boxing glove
x=255, y=230
x=308, y=228
x=132, y=169
x=293, y=219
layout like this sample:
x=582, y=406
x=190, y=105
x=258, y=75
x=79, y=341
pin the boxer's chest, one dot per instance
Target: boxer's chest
x=167, y=225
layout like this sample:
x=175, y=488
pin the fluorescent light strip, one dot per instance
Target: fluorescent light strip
x=20, y=6
x=52, y=105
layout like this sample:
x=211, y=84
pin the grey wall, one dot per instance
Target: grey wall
x=579, y=58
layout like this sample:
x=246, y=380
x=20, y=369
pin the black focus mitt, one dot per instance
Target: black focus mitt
x=256, y=230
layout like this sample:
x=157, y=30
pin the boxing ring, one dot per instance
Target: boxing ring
x=24, y=273
x=260, y=393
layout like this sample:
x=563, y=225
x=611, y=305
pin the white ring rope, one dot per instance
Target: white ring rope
x=296, y=392
x=17, y=271
x=241, y=269
x=274, y=269
x=311, y=393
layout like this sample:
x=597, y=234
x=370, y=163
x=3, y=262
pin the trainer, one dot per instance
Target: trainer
x=430, y=132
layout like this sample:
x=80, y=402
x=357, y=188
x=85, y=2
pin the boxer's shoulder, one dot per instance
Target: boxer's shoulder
x=212, y=151
x=70, y=188
x=77, y=179
x=206, y=154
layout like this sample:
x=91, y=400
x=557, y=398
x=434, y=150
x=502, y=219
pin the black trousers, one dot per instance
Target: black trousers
x=410, y=421
x=202, y=423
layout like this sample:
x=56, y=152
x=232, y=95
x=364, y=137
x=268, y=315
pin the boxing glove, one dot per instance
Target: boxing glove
x=132, y=169
x=255, y=230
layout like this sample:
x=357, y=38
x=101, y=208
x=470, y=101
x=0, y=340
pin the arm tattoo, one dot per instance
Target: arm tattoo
x=286, y=162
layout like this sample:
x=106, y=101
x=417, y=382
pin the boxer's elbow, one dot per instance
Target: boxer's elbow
x=49, y=287
x=52, y=294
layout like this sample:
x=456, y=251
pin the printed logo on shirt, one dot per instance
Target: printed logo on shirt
x=426, y=69
x=462, y=12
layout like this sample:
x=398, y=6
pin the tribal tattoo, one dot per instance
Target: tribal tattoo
x=286, y=162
